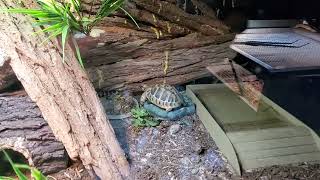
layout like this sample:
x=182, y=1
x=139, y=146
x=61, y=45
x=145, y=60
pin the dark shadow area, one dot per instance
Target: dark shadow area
x=5, y=167
x=120, y=127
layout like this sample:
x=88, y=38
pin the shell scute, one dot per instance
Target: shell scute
x=164, y=96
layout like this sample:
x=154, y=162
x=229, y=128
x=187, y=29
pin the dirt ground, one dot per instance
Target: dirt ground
x=183, y=150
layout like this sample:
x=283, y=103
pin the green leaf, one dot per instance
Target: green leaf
x=77, y=52
x=76, y=5
x=6, y=178
x=37, y=175
x=64, y=37
x=152, y=122
x=22, y=166
x=107, y=7
x=58, y=18
x=126, y=12
x=53, y=34
x=20, y=175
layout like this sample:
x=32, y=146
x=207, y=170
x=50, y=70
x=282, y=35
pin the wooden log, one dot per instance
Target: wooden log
x=204, y=8
x=203, y=24
x=64, y=95
x=127, y=61
x=160, y=13
x=124, y=57
x=157, y=22
x=23, y=129
x=7, y=76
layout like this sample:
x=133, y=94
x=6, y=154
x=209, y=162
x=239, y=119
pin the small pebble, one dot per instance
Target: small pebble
x=264, y=178
x=195, y=158
x=197, y=148
x=96, y=32
x=186, y=162
x=174, y=129
x=195, y=171
x=144, y=160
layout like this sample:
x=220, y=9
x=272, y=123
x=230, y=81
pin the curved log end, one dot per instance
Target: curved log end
x=23, y=130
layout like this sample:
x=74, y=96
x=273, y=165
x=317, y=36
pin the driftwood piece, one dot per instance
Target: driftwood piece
x=159, y=12
x=7, y=76
x=158, y=23
x=203, y=24
x=64, y=95
x=204, y=8
x=23, y=130
x=128, y=59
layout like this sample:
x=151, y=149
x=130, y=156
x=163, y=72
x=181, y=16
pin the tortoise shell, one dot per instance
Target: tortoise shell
x=163, y=96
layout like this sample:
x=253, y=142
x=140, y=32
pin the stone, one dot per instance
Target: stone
x=195, y=171
x=264, y=178
x=185, y=162
x=197, y=148
x=96, y=32
x=187, y=122
x=194, y=158
x=174, y=129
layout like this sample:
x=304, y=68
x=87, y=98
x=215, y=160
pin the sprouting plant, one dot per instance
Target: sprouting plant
x=65, y=18
x=35, y=173
x=165, y=66
x=141, y=118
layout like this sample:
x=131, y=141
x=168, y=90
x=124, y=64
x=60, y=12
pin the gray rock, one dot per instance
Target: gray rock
x=187, y=122
x=185, y=162
x=194, y=158
x=264, y=178
x=197, y=148
x=195, y=171
x=174, y=129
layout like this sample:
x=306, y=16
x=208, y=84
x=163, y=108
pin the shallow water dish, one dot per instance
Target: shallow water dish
x=175, y=113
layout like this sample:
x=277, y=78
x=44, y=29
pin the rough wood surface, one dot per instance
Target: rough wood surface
x=64, y=95
x=123, y=58
x=7, y=76
x=23, y=129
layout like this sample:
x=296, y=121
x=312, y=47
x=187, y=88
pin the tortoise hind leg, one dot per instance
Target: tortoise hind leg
x=143, y=98
x=168, y=109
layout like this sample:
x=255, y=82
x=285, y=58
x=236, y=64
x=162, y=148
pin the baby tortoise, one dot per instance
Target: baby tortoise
x=163, y=96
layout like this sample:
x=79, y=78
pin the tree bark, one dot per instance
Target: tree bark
x=23, y=130
x=64, y=95
x=124, y=57
x=7, y=76
x=136, y=60
x=138, y=53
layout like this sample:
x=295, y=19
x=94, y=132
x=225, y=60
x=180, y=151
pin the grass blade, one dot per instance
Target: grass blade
x=78, y=52
x=6, y=178
x=22, y=166
x=128, y=14
x=37, y=175
x=65, y=32
x=20, y=175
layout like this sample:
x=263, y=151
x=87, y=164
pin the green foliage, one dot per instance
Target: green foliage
x=35, y=173
x=65, y=18
x=141, y=118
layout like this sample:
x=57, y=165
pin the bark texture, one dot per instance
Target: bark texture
x=7, y=76
x=121, y=56
x=129, y=63
x=23, y=129
x=64, y=95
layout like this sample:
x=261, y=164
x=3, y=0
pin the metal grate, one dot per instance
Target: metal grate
x=284, y=51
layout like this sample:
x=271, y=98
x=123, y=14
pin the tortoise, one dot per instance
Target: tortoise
x=163, y=96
